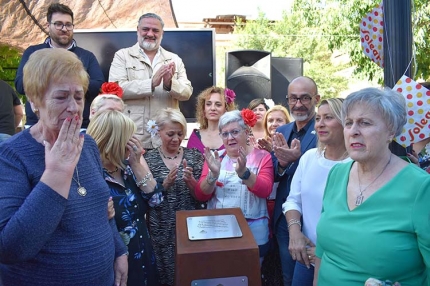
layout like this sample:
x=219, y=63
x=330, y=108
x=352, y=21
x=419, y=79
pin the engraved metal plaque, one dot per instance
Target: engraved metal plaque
x=213, y=227
x=229, y=281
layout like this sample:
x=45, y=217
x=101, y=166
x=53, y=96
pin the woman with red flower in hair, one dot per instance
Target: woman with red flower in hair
x=239, y=176
x=110, y=98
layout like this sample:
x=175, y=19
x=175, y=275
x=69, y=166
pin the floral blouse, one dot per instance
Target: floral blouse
x=131, y=206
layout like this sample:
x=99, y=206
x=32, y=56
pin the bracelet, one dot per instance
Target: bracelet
x=124, y=254
x=293, y=221
x=210, y=180
x=142, y=183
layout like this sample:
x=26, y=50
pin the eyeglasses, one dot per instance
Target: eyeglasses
x=304, y=99
x=60, y=26
x=234, y=133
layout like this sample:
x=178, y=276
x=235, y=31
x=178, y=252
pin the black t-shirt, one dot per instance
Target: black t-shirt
x=8, y=99
x=298, y=134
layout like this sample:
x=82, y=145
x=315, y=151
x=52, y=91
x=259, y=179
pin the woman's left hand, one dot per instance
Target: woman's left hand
x=136, y=151
x=241, y=161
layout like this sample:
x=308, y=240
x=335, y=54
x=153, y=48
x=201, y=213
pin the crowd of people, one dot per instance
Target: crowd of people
x=91, y=188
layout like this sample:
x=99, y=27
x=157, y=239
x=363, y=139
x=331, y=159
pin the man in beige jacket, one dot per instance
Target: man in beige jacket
x=151, y=77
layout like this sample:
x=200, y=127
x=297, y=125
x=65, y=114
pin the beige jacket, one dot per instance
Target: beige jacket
x=134, y=74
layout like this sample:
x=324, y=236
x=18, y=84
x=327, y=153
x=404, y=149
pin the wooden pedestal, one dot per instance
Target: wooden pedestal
x=215, y=258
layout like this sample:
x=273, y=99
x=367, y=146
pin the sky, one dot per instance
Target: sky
x=196, y=10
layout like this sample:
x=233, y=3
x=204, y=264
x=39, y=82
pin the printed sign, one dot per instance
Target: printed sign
x=417, y=98
x=371, y=34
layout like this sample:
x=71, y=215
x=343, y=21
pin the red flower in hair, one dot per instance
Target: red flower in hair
x=111, y=88
x=249, y=117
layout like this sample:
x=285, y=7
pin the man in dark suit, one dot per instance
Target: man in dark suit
x=289, y=143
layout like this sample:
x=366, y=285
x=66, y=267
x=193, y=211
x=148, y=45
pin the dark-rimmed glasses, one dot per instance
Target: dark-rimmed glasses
x=304, y=99
x=60, y=26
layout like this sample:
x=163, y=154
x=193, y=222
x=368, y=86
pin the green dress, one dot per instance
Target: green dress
x=387, y=237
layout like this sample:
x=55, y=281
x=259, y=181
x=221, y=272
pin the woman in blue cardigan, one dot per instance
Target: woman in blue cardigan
x=54, y=228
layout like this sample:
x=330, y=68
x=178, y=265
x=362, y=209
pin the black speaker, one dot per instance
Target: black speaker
x=284, y=70
x=248, y=74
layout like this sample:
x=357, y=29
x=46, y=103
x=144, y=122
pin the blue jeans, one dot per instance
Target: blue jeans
x=287, y=262
x=4, y=136
x=302, y=275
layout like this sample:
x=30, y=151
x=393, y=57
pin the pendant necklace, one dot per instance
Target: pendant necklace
x=233, y=163
x=167, y=157
x=81, y=190
x=360, y=197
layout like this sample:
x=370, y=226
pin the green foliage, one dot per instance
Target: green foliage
x=345, y=16
x=9, y=62
x=298, y=34
x=316, y=29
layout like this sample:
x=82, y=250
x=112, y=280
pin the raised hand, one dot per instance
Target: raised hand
x=212, y=161
x=265, y=144
x=135, y=148
x=167, y=78
x=241, y=161
x=284, y=153
x=188, y=177
x=158, y=76
x=64, y=154
x=170, y=178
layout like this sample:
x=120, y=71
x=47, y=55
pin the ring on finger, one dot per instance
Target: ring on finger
x=134, y=148
x=310, y=256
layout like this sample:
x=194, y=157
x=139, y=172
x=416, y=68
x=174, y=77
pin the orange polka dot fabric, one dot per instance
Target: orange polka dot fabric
x=371, y=35
x=417, y=98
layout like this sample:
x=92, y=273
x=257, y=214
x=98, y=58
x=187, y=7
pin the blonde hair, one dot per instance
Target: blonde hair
x=335, y=105
x=100, y=101
x=201, y=100
x=51, y=65
x=167, y=115
x=275, y=108
x=111, y=130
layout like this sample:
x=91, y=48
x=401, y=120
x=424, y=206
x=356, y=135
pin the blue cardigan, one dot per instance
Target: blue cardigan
x=46, y=239
x=91, y=65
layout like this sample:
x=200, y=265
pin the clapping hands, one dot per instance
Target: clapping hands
x=284, y=153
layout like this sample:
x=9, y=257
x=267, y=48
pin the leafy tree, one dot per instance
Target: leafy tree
x=344, y=19
x=9, y=62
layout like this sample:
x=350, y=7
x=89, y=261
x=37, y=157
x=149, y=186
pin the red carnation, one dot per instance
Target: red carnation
x=111, y=88
x=249, y=117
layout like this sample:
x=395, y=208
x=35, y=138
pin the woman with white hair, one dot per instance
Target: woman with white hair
x=375, y=217
x=242, y=176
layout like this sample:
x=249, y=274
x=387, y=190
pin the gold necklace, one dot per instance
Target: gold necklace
x=81, y=190
x=111, y=172
x=170, y=158
x=360, y=197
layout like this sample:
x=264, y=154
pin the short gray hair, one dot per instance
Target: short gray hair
x=390, y=104
x=151, y=15
x=231, y=117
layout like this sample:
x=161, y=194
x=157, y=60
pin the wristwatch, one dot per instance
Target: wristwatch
x=245, y=175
